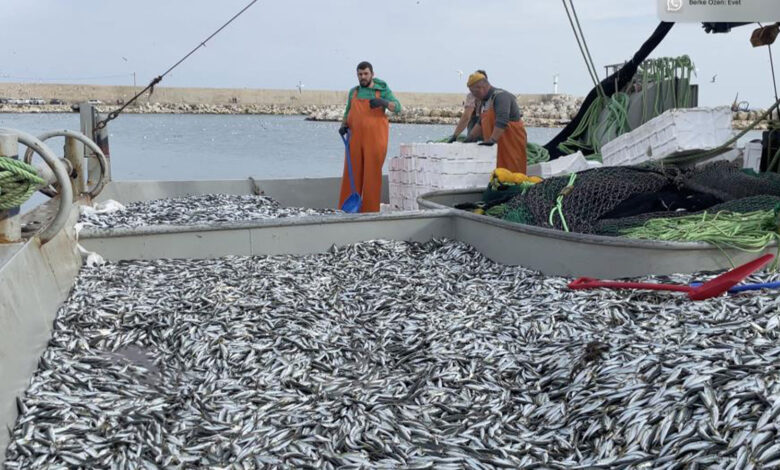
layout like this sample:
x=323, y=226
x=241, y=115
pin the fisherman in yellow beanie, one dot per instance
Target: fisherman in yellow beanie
x=469, y=117
x=500, y=122
x=476, y=77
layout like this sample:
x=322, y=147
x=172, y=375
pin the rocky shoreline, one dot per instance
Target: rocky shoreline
x=555, y=112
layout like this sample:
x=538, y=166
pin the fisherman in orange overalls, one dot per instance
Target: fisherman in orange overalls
x=369, y=128
x=500, y=122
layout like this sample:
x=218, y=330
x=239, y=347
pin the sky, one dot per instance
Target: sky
x=415, y=45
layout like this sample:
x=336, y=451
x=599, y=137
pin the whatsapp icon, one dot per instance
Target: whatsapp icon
x=726, y=11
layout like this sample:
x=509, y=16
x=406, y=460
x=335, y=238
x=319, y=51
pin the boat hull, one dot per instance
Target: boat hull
x=551, y=252
x=554, y=252
x=35, y=280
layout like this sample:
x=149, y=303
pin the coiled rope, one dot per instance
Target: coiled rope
x=588, y=134
x=18, y=181
x=535, y=153
x=751, y=231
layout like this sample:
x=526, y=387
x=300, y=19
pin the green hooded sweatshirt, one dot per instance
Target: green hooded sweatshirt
x=369, y=93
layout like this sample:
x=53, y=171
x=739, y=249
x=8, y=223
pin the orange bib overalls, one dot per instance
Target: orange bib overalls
x=511, y=145
x=369, y=130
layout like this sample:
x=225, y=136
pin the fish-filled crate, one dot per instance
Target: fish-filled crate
x=423, y=168
x=676, y=131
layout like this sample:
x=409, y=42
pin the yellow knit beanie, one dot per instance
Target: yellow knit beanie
x=475, y=77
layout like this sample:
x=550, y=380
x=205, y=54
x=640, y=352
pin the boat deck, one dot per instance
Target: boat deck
x=35, y=280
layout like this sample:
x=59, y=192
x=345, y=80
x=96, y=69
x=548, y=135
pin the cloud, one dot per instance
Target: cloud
x=418, y=46
x=603, y=10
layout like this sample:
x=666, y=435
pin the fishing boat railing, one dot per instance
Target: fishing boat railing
x=59, y=174
x=77, y=162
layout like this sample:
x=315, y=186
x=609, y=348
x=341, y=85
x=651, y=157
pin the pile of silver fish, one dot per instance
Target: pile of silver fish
x=199, y=209
x=397, y=355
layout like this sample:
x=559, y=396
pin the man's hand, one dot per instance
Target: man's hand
x=488, y=143
x=343, y=129
x=453, y=138
x=377, y=102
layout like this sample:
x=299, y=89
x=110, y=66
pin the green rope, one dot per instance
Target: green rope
x=497, y=211
x=536, y=153
x=524, y=186
x=559, y=203
x=615, y=123
x=664, y=71
x=580, y=138
x=751, y=231
x=591, y=132
x=18, y=181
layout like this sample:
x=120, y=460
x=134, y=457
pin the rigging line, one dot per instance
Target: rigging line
x=114, y=114
x=772, y=64
x=203, y=43
x=587, y=49
x=579, y=44
x=591, y=72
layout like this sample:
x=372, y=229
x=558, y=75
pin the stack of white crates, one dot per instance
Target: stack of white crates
x=423, y=168
x=674, y=132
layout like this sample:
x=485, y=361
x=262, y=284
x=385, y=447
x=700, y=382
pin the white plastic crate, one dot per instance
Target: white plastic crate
x=461, y=166
x=423, y=168
x=403, y=197
x=449, y=151
x=674, y=132
x=560, y=166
